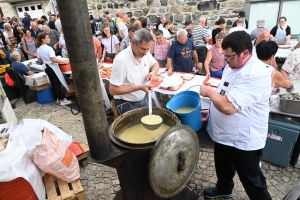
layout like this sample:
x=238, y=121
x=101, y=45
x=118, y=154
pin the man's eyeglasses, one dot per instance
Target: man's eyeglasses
x=229, y=57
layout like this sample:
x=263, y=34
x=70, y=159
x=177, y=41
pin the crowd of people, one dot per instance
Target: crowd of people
x=138, y=49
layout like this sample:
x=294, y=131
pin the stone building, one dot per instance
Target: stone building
x=35, y=8
x=176, y=11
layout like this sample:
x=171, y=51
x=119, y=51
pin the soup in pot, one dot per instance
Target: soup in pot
x=137, y=134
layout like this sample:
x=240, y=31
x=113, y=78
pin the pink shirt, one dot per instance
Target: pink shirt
x=161, y=51
x=217, y=62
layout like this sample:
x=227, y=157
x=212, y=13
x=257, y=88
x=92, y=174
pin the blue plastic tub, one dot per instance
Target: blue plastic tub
x=191, y=99
x=45, y=96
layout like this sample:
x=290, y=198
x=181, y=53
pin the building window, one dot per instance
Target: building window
x=20, y=9
x=26, y=8
x=32, y=7
x=271, y=11
x=39, y=7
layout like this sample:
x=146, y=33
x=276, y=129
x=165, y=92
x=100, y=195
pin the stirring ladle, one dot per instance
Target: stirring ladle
x=151, y=126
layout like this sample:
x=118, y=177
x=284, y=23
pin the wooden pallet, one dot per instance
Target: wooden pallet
x=85, y=152
x=58, y=189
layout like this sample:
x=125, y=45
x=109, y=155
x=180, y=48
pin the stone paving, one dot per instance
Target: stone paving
x=101, y=182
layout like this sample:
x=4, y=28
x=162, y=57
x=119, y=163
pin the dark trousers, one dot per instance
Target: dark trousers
x=228, y=160
x=55, y=83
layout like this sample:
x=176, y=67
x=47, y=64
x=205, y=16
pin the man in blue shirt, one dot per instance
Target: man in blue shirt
x=181, y=53
x=18, y=66
x=26, y=20
x=35, y=31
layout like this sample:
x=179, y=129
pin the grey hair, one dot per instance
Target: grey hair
x=260, y=31
x=142, y=35
x=260, y=23
x=181, y=32
x=45, y=26
x=6, y=24
x=202, y=19
x=14, y=55
x=124, y=14
x=240, y=20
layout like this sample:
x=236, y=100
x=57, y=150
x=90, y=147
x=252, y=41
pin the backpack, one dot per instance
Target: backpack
x=8, y=80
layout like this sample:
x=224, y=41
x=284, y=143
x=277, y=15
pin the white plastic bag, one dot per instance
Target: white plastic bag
x=52, y=157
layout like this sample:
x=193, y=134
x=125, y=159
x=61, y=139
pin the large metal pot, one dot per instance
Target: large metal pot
x=289, y=105
x=160, y=170
x=132, y=118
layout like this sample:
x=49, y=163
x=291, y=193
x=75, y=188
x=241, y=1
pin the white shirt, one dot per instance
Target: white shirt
x=127, y=71
x=57, y=24
x=167, y=34
x=123, y=27
x=237, y=29
x=45, y=53
x=249, y=90
x=110, y=44
x=160, y=27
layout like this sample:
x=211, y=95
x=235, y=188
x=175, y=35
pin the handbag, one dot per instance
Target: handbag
x=108, y=59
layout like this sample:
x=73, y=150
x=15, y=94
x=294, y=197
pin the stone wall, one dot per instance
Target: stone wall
x=7, y=9
x=176, y=11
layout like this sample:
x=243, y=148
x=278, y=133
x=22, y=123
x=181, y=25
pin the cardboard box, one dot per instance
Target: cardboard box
x=37, y=79
x=71, y=92
x=7, y=114
x=41, y=87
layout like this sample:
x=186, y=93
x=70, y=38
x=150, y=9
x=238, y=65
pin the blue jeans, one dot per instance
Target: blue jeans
x=125, y=106
x=217, y=74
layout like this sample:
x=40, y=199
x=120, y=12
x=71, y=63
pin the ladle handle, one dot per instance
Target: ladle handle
x=150, y=102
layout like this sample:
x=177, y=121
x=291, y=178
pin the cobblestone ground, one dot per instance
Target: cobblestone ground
x=101, y=182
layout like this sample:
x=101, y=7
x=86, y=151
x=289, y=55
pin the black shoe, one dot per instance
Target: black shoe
x=214, y=193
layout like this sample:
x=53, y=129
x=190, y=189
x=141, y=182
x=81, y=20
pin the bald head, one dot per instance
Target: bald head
x=262, y=34
x=34, y=26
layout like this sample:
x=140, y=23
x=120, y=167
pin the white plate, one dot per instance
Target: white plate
x=187, y=76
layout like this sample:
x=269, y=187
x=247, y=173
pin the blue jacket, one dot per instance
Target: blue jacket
x=35, y=34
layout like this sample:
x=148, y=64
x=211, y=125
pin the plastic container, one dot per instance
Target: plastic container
x=190, y=99
x=64, y=67
x=45, y=96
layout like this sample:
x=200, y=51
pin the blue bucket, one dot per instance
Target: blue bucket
x=45, y=96
x=190, y=99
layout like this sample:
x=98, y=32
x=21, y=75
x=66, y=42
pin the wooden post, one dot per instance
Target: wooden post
x=77, y=30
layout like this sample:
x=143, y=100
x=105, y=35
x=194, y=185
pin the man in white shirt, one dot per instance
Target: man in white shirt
x=238, y=121
x=239, y=26
x=123, y=30
x=130, y=73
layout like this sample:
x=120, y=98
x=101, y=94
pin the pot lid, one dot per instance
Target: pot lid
x=173, y=161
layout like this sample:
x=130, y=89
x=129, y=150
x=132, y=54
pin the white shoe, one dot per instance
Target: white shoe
x=65, y=102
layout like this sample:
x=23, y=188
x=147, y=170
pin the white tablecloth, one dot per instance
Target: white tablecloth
x=34, y=66
x=283, y=53
x=192, y=85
